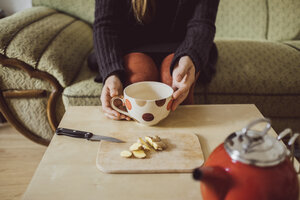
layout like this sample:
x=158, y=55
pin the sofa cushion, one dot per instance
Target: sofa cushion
x=293, y=43
x=284, y=20
x=242, y=19
x=84, y=91
x=83, y=9
x=57, y=44
x=252, y=67
x=284, y=106
x=264, y=73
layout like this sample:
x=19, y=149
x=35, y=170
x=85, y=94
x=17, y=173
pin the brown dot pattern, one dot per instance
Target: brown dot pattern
x=148, y=117
x=160, y=103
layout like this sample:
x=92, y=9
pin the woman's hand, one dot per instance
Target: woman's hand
x=183, y=77
x=112, y=87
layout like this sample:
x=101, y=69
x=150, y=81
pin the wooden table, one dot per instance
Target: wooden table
x=68, y=169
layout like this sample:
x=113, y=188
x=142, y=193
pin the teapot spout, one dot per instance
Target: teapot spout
x=215, y=182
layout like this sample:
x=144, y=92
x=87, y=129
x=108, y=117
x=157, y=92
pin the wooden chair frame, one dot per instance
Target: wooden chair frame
x=51, y=104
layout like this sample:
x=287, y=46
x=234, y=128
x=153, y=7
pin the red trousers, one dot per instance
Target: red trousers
x=141, y=67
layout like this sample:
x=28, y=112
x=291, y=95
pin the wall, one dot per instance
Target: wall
x=12, y=6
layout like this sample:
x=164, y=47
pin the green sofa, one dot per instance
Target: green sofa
x=44, y=49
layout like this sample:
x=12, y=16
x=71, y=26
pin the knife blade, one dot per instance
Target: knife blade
x=86, y=135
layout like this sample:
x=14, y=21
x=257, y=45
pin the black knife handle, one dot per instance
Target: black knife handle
x=73, y=133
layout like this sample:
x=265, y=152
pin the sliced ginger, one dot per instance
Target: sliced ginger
x=159, y=146
x=144, y=144
x=156, y=143
x=126, y=154
x=135, y=147
x=139, y=154
x=138, y=149
x=156, y=138
x=151, y=139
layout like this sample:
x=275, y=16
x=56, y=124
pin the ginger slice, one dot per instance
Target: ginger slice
x=149, y=140
x=139, y=154
x=126, y=154
x=156, y=143
x=146, y=148
x=135, y=147
x=159, y=146
x=144, y=144
x=156, y=138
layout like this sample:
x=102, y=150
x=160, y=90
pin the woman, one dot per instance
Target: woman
x=153, y=40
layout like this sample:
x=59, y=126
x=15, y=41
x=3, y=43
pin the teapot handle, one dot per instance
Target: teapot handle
x=291, y=144
x=254, y=140
x=261, y=120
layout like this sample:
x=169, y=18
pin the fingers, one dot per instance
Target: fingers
x=105, y=99
x=113, y=114
x=185, y=67
x=185, y=82
x=116, y=118
x=183, y=78
x=180, y=91
x=112, y=87
x=179, y=100
x=181, y=87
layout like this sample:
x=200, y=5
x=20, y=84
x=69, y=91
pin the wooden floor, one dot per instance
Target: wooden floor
x=19, y=157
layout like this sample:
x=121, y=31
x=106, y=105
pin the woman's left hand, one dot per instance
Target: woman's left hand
x=183, y=77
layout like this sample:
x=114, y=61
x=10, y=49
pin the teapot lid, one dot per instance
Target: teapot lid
x=255, y=147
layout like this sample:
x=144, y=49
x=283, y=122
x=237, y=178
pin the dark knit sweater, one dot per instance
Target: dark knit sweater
x=183, y=27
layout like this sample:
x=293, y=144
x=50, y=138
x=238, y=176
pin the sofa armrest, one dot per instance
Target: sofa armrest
x=48, y=41
x=82, y=9
x=10, y=26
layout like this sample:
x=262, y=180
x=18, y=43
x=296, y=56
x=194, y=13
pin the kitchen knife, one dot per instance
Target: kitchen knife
x=86, y=135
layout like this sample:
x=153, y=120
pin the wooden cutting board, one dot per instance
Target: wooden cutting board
x=183, y=154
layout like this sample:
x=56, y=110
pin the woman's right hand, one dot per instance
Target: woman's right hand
x=112, y=87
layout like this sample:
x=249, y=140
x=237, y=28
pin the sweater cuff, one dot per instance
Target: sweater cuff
x=187, y=52
x=120, y=73
x=205, y=67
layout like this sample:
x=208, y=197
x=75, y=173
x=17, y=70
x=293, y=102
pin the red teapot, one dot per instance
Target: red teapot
x=249, y=165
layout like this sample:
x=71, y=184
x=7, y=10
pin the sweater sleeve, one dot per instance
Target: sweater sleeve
x=107, y=25
x=199, y=36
